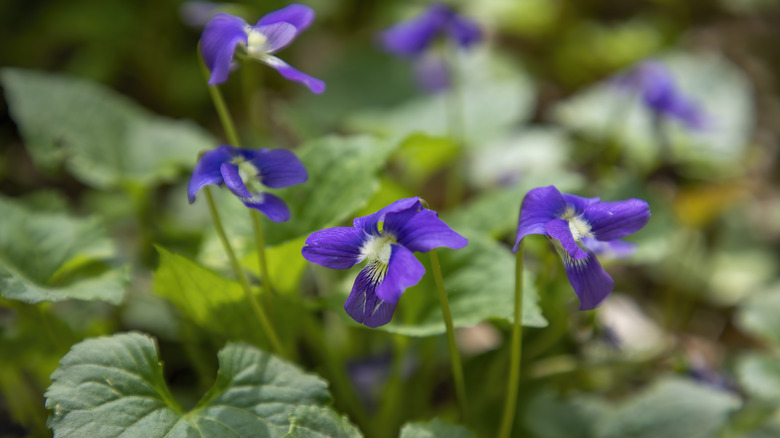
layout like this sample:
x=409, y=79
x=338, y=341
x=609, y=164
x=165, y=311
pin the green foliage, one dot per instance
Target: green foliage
x=758, y=314
x=421, y=155
x=545, y=413
x=759, y=376
x=319, y=422
x=113, y=386
x=495, y=95
x=480, y=283
x=208, y=299
x=285, y=265
x=435, y=428
x=669, y=408
x=342, y=176
x=51, y=256
x=104, y=139
x=607, y=114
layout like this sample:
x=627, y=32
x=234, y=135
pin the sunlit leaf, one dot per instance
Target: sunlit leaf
x=113, y=386
x=285, y=265
x=208, y=299
x=435, y=428
x=319, y=422
x=103, y=138
x=51, y=256
x=421, y=155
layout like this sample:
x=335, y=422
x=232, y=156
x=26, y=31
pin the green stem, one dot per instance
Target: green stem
x=257, y=225
x=224, y=114
x=510, y=405
x=457, y=368
x=254, y=303
x=254, y=98
x=230, y=133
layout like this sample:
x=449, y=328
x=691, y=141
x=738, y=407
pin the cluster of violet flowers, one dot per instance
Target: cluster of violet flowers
x=579, y=228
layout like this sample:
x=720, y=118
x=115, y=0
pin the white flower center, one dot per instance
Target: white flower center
x=249, y=174
x=257, y=43
x=577, y=225
x=376, y=251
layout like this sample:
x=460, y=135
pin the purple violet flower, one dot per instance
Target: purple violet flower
x=579, y=227
x=654, y=83
x=225, y=33
x=242, y=169
x=386, y=241
x=413, y=37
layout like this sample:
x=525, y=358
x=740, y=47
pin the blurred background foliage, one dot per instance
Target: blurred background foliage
x=691, y=336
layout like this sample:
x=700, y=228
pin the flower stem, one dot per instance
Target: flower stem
x=254, y=303
x=224, y=115
x=457, y=368
x=257, y=225
x=510, y=405
x=232, y=137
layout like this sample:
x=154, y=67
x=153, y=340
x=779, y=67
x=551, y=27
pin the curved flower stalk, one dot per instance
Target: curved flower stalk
x=654, y=83
x=386, y=240
x=243, y=170
x=579, y=228
x=414, y=37
x=225, y=33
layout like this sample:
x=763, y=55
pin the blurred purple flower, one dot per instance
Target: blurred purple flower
x=225, y=33
x=578, y=227
x=391, y=267
x=242, y=169
x=413, y=37
x=654, y=83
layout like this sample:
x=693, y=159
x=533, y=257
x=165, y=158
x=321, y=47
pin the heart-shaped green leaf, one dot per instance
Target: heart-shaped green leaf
x=113, y=386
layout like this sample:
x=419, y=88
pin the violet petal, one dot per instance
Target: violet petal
x=218, y=44
x=370, y=223
x=421, y=230
x=335, y=248
x=590, y=281
x=364, y=306
x=278, y=167
x=207, y=170
x=316, y=86
x=278, y=35
x=540, y=205
x=233, y=180
x=403, y=271
x=270, y=205
x=298, y=15
x=614, y=220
